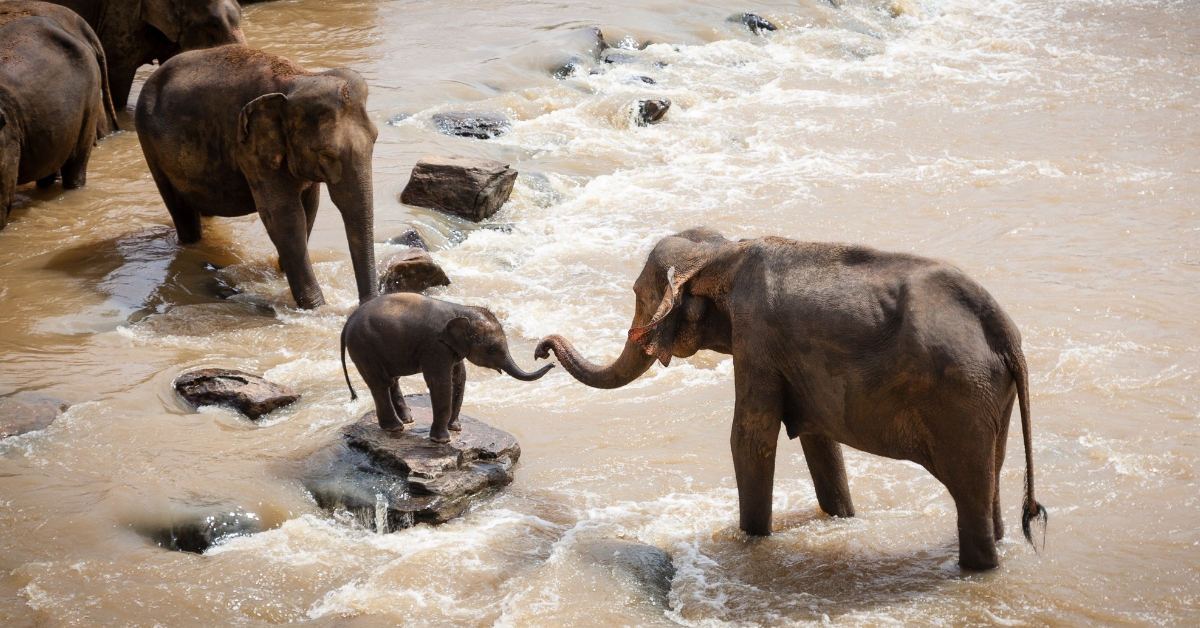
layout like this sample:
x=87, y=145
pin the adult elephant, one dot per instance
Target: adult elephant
x=137, y=32
x=892, y=354
x=232, y=130
x=52, y=105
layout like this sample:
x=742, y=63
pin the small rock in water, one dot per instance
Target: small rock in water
x=28, y=412
x=566, y=70
x=472, y=188
x=619, y=58
x=593, y=41
x=413, y=479
x=651, y=111
x=757, y=24
x=483, y=126
x=646, y=567
x=249, y=394
x=411, y=270
x=205, y=530
x=645, y=79
x=410, y=238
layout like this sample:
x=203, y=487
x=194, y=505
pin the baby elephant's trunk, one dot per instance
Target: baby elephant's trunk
x=515, y=371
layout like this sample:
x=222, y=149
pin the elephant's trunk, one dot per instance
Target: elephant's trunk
x=354, y=198
x=630, y=365
x=515, y=371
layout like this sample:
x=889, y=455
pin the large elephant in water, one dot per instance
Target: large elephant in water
x=231, y=131
x=137, y=32
x=892, y=354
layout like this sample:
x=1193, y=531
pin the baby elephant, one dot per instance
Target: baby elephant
x=406, y=334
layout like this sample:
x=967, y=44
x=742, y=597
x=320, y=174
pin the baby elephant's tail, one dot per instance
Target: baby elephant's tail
x=353, y=396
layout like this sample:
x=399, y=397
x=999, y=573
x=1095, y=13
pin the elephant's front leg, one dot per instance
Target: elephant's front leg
x=439, y=378
x=828, y=470
x=757, y=417
x=283, y=216
x=459, y=379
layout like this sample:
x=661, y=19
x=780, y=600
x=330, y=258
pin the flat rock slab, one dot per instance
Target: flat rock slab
x=28, y=412
x=481, y=126
x=411, y=270
x=408, y=477
x=471, y=188
x=249, y=394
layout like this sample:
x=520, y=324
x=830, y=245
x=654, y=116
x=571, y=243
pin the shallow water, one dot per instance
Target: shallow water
x=1047, y=147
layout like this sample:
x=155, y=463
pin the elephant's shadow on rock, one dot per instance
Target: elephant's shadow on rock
x=147, y=272
x=832, y=572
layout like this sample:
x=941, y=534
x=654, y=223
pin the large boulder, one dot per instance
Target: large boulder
x=471, y=188
x=389, y=481
x=411, y=270
x=28, y=411
x=249, y=394
x=481, y=126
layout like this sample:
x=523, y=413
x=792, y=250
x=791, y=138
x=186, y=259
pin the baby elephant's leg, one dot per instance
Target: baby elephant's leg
x=458, y=377
x=381, y=391
x=440, y=380
x=398, y=402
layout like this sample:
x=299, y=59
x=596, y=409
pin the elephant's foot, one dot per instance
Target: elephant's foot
x=46, y=182
x=391, y=426
x=407, y=419
x=439, y=436
x=455, y=426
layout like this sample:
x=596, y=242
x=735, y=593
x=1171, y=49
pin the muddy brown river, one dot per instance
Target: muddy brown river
x=1050, y=148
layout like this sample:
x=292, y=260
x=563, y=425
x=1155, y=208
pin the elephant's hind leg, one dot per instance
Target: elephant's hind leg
x=970, y=478
x=186, y=219
x=381, y=392
x=398, y=403
x=1001, y=443
x=458, y=378
x=828, y=470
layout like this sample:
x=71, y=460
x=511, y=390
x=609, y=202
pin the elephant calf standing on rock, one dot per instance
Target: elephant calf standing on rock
x=892, y=354
x=233, y=130
x=405, y=334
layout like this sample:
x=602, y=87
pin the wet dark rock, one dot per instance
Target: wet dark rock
x=217, y=286
x=249, y=394
x=502, y=227
x=619, y=58
x=411, y=270
x=410, y=478
x=472, y=188
x=410, y=238
x=644, y=79
x=648, y=568
x=28, y=411
x=593, y=41
x=756, y=23
x=198, y=533
x=566, y=70
x=649, y=112
x=482, y=126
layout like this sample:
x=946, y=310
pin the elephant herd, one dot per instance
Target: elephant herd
x=893, y=354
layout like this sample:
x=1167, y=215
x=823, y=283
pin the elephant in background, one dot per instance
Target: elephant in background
x=52, y=105
x=137, y=32
x=892, y=354
x=230, y=131
x=405, y=334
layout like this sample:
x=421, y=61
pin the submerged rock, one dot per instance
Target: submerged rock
x=589, y=44
x=756, y=23
x=249, y=394
x=411, y=270
x=28, y=411
x=408, y=477
x=646, y=567
x=649, y=112
x=204, y=530
x=620, y=58
x=410, y=238
x=472, y=188
x=482, y=126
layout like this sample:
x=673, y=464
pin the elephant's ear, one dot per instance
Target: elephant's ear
x=656, y=337
x=260, y=129
x=457, y=335
x=163, y=15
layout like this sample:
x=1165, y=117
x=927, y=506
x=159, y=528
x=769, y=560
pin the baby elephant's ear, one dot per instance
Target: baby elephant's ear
x=457, y=335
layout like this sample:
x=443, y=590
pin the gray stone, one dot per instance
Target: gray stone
x=651, y=111
x=203, y=530
x=28, y=411
x=756, y=23
x=471, y=188
x=249, y=394
x=411, y=270
x=646, y=567
x=410, y=478
x=482, y=126
x=410, y=238
x=620, y=58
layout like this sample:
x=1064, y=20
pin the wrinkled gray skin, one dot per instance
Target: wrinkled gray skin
x=892, y=354
x=137, y=32
x=232, y=130
x=405, y=334
x=46, y=126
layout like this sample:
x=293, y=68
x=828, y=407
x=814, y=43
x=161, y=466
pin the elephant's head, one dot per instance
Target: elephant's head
x=681, y=308
x=479, y=338
x=320, y=131
x=195, y=24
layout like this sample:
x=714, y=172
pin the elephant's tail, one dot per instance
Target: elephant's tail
x=1031, y=509
x=353, y=395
